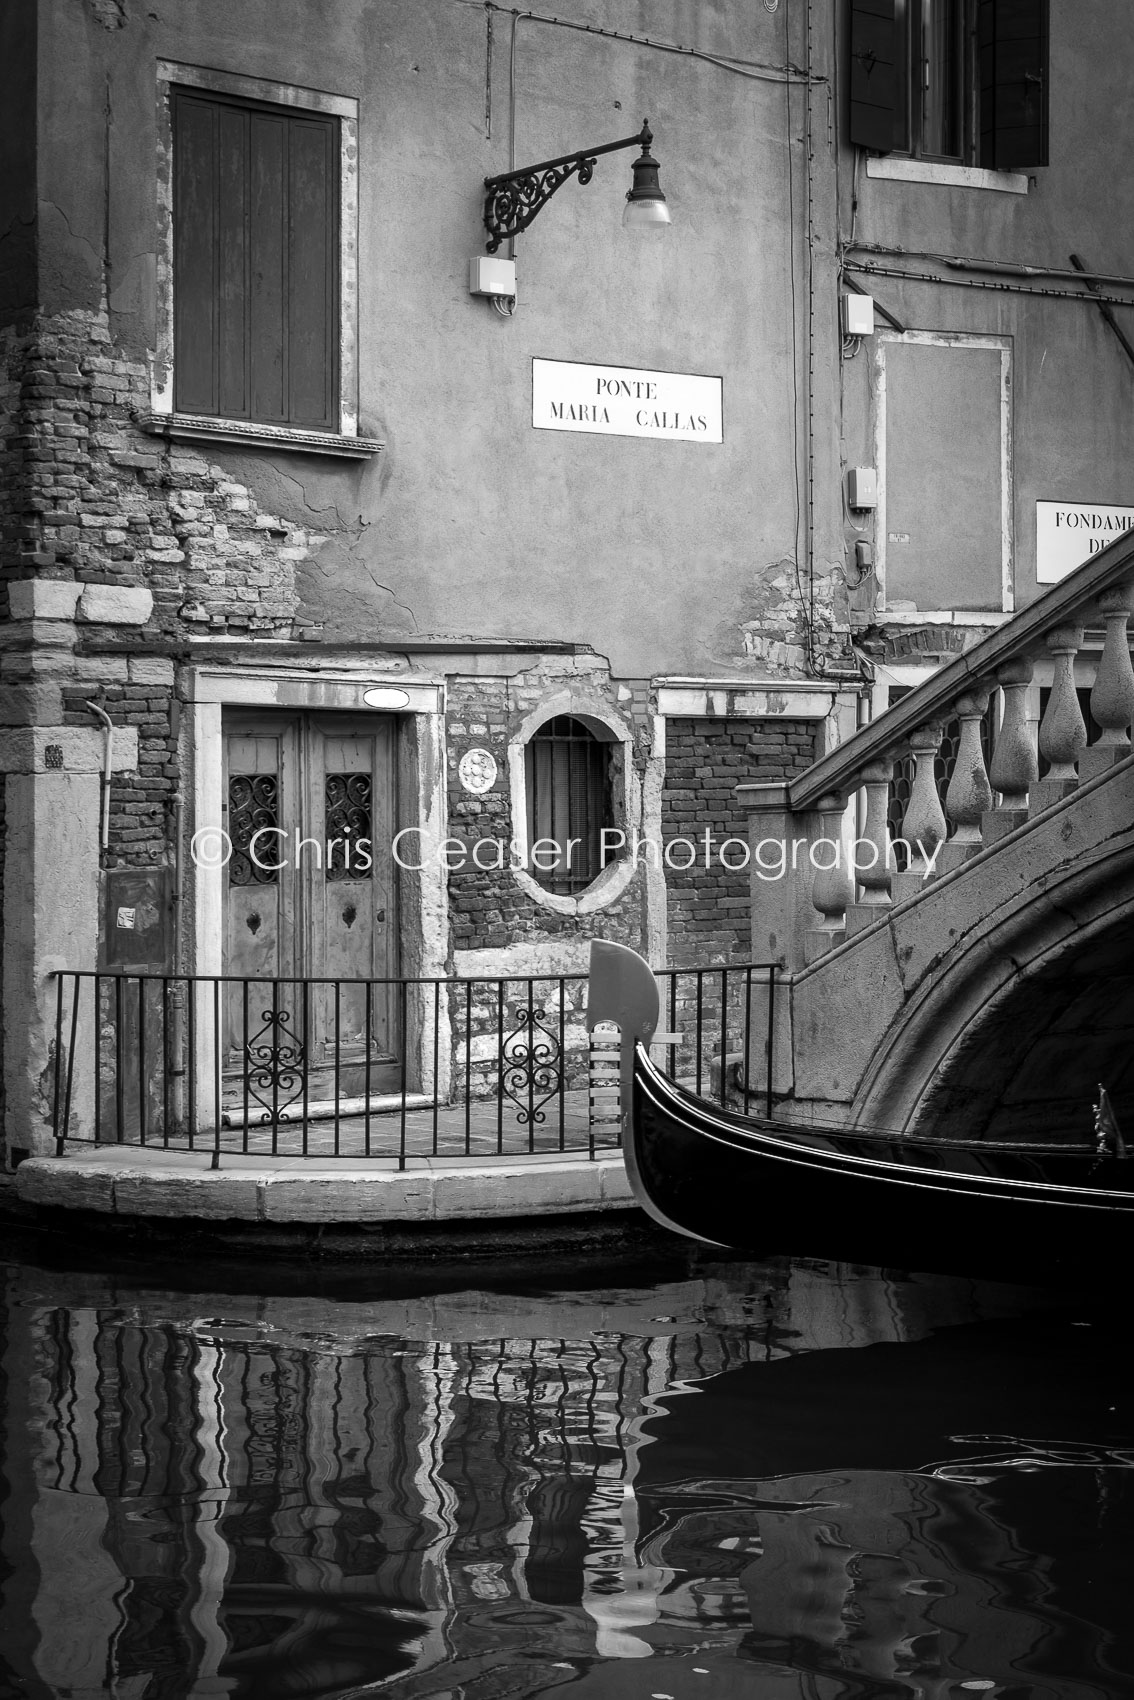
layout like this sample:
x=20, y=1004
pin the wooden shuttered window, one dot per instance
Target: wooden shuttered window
x=899, y=60
x=567, y=776
x=877, y=45
x=255, y=262
x=1012, y=45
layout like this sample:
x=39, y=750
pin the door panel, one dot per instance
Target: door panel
x=311, y=898
x=349, y=899
x=260, y=906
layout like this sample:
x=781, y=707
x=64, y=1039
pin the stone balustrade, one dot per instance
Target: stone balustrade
x=991, y=694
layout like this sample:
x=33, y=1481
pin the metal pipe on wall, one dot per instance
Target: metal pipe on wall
x=107, y=770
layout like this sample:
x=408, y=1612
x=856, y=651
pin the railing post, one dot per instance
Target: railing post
x=875, y=876
x=1014, y=769
x=1063, y=732
x=56, y=1106
x=771, y=1042
x=923, y=824
x=779, y=872
x=1112, y=699
x=969, y=795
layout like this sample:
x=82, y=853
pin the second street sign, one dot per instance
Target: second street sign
x=623, y=401
x=1069, y=533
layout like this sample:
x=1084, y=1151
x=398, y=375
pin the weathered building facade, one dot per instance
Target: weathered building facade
x=300, y=539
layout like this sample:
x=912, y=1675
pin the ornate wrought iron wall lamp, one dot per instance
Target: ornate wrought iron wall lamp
x=513, y=199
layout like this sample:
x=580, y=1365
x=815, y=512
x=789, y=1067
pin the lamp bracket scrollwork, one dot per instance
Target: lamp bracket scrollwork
x=513, y=198
x=511, y=206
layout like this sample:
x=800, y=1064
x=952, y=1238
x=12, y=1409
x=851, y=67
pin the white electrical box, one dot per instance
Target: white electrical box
x=490, y=276
x=862, y=487
x=858, y=315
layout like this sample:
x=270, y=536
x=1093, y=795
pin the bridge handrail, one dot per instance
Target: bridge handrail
x=957, y=805
x=838, y=771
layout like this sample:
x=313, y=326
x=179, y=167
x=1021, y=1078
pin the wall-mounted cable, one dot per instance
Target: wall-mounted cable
x=756, y=69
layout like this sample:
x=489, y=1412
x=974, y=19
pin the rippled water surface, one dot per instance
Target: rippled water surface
x=771, y=1481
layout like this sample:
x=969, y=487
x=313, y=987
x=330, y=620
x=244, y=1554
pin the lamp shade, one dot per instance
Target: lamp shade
x=645, y=203
x=645, y=215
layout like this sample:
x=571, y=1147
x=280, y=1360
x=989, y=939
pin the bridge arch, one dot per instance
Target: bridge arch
x=1020, y=1021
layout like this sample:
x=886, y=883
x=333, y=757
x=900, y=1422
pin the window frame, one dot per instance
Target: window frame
x=964, y=85
x=886, y=88
x=625, y=799
x=993, y=342
x=588, y=794
x=215, y=215
x=164, y=418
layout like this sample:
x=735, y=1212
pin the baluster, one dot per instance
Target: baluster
x=923, y=824
x=875, y=880
x=969, y=794
x=1112, y=699
x=1015, y=767
x=1063, y=732
x=833, y=889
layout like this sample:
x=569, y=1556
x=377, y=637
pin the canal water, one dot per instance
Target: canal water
x=679, y=1479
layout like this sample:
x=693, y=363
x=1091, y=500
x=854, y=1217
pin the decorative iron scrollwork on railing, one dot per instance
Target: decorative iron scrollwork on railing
x=531, y=1064
x=348, y=837
x=511, y=206
x=253, y=806
x=276, y=1066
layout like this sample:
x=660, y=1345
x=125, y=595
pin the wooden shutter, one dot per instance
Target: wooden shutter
x=567, y=770
x=255, y=263
x=874, y=81
x=195, y=258
x=1013, y=47
x=312, y=331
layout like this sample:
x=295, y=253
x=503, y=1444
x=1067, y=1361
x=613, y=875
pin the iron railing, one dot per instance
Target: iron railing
x=392, y=1069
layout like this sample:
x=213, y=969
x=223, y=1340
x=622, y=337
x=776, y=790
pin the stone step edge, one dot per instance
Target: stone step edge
x=331, y=1193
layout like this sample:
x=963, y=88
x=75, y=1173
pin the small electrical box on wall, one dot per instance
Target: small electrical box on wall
x=489, y=276
x=137, y=925
x=862, y=487
x=858, y=315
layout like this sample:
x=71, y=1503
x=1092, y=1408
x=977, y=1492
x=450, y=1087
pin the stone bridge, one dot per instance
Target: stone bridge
x=980, y=982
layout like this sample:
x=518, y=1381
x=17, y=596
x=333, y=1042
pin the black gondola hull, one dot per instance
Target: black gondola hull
x=770, y=1189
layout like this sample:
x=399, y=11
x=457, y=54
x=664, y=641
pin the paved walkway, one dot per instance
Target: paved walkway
x=482, y=1128
x=448, y=1165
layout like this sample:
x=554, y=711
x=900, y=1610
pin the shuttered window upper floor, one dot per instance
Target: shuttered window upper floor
x=255, y=261
x=962, y=81
x=257, y=267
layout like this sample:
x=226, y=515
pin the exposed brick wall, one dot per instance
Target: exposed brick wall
x=85, y=494
x=490, y=909
x=140, y=801
x=708, y=908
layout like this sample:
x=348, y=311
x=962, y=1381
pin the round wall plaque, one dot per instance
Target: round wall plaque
x=476, y=771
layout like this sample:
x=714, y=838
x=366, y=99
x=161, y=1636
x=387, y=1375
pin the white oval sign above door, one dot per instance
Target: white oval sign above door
x=385, y=696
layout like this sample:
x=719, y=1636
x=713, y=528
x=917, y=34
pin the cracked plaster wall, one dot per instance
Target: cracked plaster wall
x=665, y=557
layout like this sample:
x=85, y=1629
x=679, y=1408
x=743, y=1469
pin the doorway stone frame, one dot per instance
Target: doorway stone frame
x=423, y=922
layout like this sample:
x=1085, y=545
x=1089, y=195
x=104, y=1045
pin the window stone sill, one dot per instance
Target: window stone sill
x=610, y=883
x=950, y=176
x=191, y=427
x=941, y=616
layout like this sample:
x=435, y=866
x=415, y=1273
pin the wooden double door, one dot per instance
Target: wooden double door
x=310, y=903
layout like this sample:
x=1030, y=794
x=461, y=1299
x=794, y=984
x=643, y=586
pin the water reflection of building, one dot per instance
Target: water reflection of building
x=302, y=1497
x=208, y=1496
x=860, y=1527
